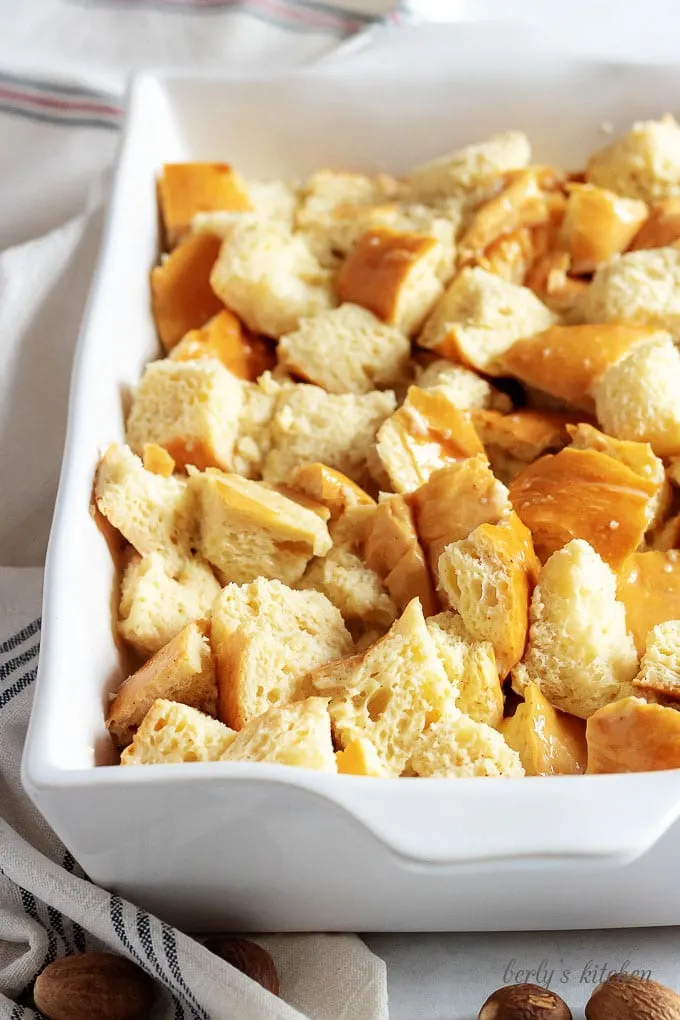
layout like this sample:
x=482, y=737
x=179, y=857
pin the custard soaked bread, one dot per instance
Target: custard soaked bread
x=399, y=496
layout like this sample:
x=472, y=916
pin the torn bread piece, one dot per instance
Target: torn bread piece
x=172, y=732
x=638, y=398
x=353, y=587
x=454, y=502
x=660, y=664
x=190, y=408
x=598, y=224
x=584, y=494
x=648, y=585
x=223, y=337
x=329, y=487
x=426, y=433
x=248, y=530
x=185, y=189
x=266, y=638
x=391, y=547
x=156, y=602
x=474, y=169
x=298, y=735
x=470, y=668
x=360, y=758
x=549, y=743
x=510, y=256
x=337, y=429
x=458, y=747
x=639, y=457
x=464, y=388
x=662, y=228
x=390, y=693
x=567, y=361
x=269, y=277
x=633, y=736
x=514, y=440
x=394, y=275
x=488, y=579
x=639, y=288
x=644, y=163
x=346, y=350
x=580, y=654
x=480, y=316
x=253, y=436
x=181, y=296
x=183, y=671
x=153, y=513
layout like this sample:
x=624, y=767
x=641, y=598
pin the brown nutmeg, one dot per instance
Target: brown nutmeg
x=524, y=1002
x=624, y=997
x=93, y=986
x=251, y=959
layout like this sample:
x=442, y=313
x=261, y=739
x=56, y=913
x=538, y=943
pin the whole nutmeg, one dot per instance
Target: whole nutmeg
x=93, y=986
x=524, y=1002
x=623, y=997
x=251, y=959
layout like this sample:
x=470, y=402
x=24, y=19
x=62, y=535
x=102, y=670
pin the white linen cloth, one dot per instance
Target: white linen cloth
x=62, y=70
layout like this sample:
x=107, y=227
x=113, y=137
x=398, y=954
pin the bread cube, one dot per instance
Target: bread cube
x=470, y=668
x=454, y=502
x=390, y=693
x=580, y=654
x=253, y=437
x=465, y=389
x=338, y=430
x=549, y=743
x=172, y=733
x=353, y=587
x=298, y=735
x=642, y=164
x=639, y=288
x=584, y=494
x=360, y=758
x=266, y=639
x=156, y=603
x=632, y=736
x=185, y=189
x=660, y=665
x=269, y=277
x=488, y=579
x=269, y=200
x=567, y=361
x=514, y=440
x=510, y=256
x=181, y=296
x=394, y=275
x=480, y=316
x=153, y=513
x=460, y=748
x=648, y=585
x=346, y=350
x=248, y=530
x=191, y=408
x=182, y=671
x=225, y=339
x=470, y=169
x=392, y=549
x=598, y=224
x=426, y=433
x=639, y=457
x=329, y=487
x=638, y=398
x=662, y=228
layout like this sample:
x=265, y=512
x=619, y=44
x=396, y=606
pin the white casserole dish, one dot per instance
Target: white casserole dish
x=264, y=847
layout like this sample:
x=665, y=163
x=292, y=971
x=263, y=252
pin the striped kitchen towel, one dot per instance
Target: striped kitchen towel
x=63, y=71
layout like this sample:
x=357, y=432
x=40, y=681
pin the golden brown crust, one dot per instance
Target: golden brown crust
x=566, y=361
x=224, y=337
x=648, y=584
x=549, y=743
x=329, y=487
x=583, y=494
x=185, y=189
x=524, y=434
x=598, y=224
x=157, y=460
x=392, y=549
x=631, y=735
x=183, y=670
x=662, y=228
x=181, y=295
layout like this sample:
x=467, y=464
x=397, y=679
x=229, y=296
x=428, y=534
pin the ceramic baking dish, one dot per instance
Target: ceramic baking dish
x=265, y=847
